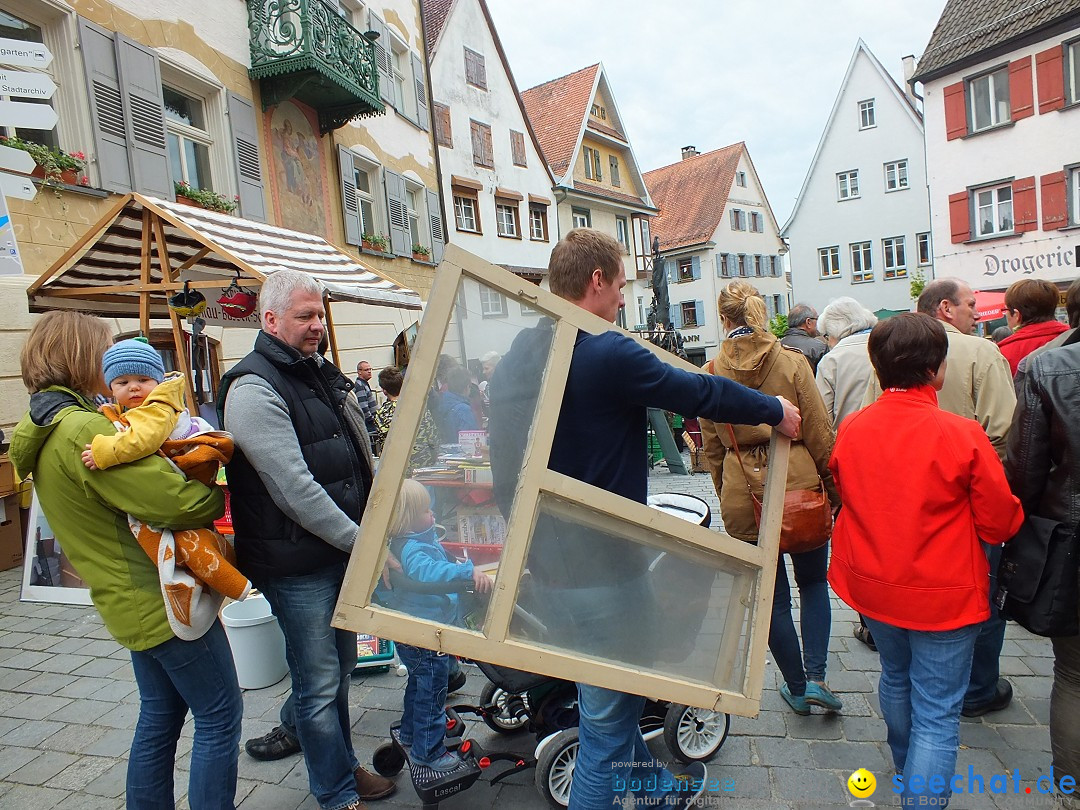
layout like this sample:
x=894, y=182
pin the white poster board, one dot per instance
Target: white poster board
x=48, y=575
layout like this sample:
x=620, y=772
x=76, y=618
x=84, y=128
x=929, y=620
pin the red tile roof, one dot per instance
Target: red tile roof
x=691, y=195
x=600, y=191
x=604, y=128
x=556, y=110
x=435, y=14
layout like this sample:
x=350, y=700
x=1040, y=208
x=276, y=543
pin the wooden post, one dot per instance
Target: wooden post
x=177, y=328
x=144, y=275
x=331, y=334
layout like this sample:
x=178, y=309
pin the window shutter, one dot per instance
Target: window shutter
x=1020, y=90
x=140, y=84
x=955, y=111
x=106, y=108
x=732, y=267
x=720, y=264
x=398, y=213
x=440, y=113
x=699, y=313
x=438, y=239
x=779, y=267
x=960, y=217
x=517, y=147
x=1025, y=208
x=1050, y=77
x=477, y=143
x=1055, y=208
x=350, y=205
x=676, y=315
x=489, y=152
x=245, y=133
x=383, y=58
x=695, y=267
x=731, y=216
x=421, y=92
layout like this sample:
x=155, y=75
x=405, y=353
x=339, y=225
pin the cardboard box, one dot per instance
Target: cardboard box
x=7, y=476
x=11, y=536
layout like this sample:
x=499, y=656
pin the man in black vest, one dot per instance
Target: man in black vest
x=299, y=480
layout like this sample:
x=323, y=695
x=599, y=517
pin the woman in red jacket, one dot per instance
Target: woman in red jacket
x=913, y=565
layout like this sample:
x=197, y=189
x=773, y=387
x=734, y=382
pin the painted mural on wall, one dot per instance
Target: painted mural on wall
x=298, y=173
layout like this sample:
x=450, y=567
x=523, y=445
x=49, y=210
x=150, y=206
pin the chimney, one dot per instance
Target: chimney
x=909, y=71
x=689, y=152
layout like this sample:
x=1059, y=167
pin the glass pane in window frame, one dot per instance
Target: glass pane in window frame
x=736, y=681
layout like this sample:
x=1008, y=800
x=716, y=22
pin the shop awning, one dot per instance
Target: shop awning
x=990, y=305
x=882, y=314
x=118, y=263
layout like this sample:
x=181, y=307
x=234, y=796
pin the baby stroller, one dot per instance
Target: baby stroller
x=513, y=702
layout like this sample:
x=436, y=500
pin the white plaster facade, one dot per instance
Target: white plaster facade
x=1042, y=144
x=468, y=26
x=822, y=220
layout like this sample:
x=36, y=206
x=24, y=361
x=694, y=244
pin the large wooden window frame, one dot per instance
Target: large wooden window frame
x=753, y=566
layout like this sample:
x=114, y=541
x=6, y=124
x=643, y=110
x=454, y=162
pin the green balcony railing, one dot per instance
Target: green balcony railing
x=304, y=49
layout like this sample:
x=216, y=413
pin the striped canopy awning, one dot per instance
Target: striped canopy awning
x=120, y=260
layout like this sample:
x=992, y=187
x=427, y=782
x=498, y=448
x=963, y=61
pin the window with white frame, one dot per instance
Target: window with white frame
x=12, y=27
x=492, y=303
x=988, y=99
x=994, y=210
x=893, y=251
x=538, y=227
x=759, y=267
x=744, y=265
x=189, y=140
x=926, y=253
x=689, y=314
x=1073, y=179
x=740, y=179
x=738, y=219
x=862, y=262
x=622, y=233
x=1072, y=72
x=506, y=218
x=896, y=175
x=829, y=262
x=364, y=178
x=417, y=210
x=867, y=116
x=641, y=311
x=466, y=211
x=404, y=85
x=582, y=218
x=847, y=184
x=757, y=222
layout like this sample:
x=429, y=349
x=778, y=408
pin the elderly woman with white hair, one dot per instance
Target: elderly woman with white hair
x=844, y=373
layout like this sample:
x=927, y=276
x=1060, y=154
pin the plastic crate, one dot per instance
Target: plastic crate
x=479, y=553
x=224, y=523
x=381, y=659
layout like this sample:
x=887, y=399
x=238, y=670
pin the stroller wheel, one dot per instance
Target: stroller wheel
x=555, y=767
x=387, y=760
x=511, y=711
x=694, y=735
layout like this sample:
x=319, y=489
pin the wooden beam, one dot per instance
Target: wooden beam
x=177, y=328
x=153, y=287
x=92, y=233
x=144, y=274
x=330, y=332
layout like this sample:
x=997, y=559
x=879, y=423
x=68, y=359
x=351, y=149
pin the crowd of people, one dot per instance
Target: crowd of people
x=929, y=452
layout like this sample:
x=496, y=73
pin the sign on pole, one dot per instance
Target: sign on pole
x=27, y=114
x=19, y=53
x=26, y=84
x=14, y=185
x=10, y=261
x=16, y=159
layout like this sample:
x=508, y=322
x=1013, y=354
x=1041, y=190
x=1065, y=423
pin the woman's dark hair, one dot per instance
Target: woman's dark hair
x=390, y=379
x=907, y=349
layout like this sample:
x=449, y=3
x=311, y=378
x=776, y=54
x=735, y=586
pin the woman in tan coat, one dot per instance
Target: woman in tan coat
x=752, y=355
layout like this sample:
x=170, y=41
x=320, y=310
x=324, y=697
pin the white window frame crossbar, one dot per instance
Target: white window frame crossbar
x=896, y=175
x=862, y=262
x=847, y=185
x=992, y=200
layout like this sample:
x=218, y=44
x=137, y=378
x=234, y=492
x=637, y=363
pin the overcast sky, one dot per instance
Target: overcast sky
x=713, y=72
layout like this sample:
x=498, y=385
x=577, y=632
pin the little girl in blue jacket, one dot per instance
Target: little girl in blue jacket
x=423, y=560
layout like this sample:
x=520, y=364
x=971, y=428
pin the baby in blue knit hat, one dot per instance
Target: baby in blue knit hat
x=151, y=418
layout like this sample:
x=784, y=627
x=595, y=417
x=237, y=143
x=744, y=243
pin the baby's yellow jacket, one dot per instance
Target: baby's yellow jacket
x=149, y=426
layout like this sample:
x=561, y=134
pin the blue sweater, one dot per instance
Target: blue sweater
x=423, y=559
x=601, y=440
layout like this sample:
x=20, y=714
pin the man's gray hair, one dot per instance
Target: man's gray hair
x=280, y=286
x=845, y=316
x=799, y=315
x=938, y=290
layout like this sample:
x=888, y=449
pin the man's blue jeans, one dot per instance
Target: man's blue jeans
x=173, y=677
x=815, y=619
x=321, y=659
x=923, y=678
x=423, y=719
x=985, y=667
x=613, y=757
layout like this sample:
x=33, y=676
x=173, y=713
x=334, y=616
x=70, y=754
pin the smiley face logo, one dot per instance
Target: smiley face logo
x=862, y=784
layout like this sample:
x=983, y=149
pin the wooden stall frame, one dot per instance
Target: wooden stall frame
x=754, y=566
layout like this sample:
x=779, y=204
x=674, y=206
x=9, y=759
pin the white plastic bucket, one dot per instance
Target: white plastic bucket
x=258, y=646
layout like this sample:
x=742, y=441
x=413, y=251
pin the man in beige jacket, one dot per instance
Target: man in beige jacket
x=979, y=386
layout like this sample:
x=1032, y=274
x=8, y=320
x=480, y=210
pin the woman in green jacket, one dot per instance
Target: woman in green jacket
x=61, y=368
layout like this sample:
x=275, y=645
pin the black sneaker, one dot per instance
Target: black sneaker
x=457, y=681
x=1002, y=697
x=278, y=744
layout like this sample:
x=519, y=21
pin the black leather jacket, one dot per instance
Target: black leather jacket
x=1043, y=462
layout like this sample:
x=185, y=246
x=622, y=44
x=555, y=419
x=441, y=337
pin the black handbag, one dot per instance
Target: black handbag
x=1037, y=578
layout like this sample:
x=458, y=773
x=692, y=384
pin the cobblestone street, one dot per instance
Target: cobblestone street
x=68, y=705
